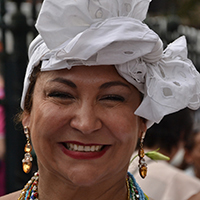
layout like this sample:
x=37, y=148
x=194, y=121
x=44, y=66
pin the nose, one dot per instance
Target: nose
x=85, y=119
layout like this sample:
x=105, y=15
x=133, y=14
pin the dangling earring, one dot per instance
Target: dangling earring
x=142, y=165
x=26, y=162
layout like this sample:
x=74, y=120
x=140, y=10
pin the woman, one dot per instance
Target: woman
x=83, y=104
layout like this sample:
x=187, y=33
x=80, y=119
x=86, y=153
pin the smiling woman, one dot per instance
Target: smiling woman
x=94, y=124
x=82, y=107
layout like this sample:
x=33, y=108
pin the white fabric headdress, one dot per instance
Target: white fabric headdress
x=111, y=32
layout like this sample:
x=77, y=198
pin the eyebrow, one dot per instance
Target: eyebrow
x=113, y=83
x=64, y=81
x=103, y=86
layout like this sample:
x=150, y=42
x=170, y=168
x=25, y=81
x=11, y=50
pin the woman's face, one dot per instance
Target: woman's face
x=82, y=123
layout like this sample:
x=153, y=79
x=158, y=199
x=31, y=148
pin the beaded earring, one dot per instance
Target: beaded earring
x=142, y=165
x=26, y=162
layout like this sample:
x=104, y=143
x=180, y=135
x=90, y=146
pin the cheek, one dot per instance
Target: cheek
x=124, y=126
x=46, y=122
x=48, y=116
x=124, y=130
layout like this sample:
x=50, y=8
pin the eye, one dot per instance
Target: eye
x=60, y=95
x=113, y=98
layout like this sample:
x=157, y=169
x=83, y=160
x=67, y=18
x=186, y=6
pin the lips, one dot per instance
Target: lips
x=78, y=150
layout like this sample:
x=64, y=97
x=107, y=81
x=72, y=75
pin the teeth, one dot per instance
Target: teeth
x=92, y=148
x=87, y=148
x=75, y=147
x=80, y=148
x=97, y=148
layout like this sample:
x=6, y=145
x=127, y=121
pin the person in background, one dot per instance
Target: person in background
x=167, y=182
x=195, y=197
x=191, y=162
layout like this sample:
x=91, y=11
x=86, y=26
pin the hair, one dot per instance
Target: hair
x=29, y=95
x=172, y=128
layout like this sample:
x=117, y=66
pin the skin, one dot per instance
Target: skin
x=90, y=105
x=195, y=197
x=193, y=157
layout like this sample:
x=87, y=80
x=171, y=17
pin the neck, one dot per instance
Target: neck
x=59, y=188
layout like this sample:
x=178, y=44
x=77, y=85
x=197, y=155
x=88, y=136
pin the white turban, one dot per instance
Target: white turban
x=111, y=32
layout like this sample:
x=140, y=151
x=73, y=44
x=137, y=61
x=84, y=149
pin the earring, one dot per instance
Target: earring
x=26, y=162
x=142, y=165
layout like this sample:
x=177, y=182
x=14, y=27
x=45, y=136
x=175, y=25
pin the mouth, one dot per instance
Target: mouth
x=83, y=148
x=78, y=150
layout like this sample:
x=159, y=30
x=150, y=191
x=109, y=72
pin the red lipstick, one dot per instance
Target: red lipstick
x=84, y=155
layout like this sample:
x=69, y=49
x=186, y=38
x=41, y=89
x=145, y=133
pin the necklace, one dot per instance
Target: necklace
x=30, y=190
x=132, y=190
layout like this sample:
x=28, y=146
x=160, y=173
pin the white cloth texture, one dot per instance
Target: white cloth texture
x=111, y=32
x=164, y=181
x=190, y=171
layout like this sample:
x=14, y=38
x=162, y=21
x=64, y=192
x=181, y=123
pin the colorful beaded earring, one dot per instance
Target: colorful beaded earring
x=26, y=162
x=142, y=165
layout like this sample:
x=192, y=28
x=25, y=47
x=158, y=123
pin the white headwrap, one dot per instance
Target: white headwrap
x=111, y=32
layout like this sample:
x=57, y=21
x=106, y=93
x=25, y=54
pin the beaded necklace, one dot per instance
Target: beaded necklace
x=30, y=191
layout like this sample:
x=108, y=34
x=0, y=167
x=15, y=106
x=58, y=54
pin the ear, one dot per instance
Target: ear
x=26, y=119
x=143, y=127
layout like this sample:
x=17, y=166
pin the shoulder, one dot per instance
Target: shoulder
x=11, y=196
x=172, y=175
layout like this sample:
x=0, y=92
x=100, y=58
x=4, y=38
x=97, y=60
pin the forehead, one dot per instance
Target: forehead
x=89, y=74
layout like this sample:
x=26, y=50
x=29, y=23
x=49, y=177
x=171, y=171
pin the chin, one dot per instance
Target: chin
x=84, y=175
x=85, y=180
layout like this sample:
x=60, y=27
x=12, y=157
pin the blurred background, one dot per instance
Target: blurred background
x=169, y=18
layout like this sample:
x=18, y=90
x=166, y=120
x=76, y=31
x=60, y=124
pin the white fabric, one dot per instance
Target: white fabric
x=111, y=32
x=190, y=171
x=61, y=20
x=165, y=182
